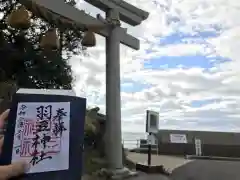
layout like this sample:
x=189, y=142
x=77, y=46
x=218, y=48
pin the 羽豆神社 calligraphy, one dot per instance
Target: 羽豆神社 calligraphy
x=42, y=135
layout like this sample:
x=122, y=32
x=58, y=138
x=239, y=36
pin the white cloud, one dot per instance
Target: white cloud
x=173, y=92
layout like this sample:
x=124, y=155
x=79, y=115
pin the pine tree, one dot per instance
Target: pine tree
x=22, y=60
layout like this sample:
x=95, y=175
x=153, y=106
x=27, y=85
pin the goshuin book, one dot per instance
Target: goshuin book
x=46, y=128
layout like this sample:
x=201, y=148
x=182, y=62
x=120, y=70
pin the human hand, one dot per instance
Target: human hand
x=16, y=168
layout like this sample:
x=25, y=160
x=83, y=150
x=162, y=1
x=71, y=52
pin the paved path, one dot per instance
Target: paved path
x=183, y=169
x=149, y=177
x=169, y=162
x=208, y=170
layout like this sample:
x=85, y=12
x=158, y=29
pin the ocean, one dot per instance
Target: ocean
x=131, y=139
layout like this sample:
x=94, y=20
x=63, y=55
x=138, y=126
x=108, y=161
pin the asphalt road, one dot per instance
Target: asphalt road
x=208, y=170
x=149, y=177
x=169, y=162
x=183, y=169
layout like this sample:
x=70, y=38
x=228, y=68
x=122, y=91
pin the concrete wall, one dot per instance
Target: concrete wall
x=213, y=143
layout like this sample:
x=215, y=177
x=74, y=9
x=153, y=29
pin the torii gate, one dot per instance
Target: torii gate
x=60, y=13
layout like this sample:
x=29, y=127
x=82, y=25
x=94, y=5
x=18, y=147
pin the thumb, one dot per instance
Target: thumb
x=1, y=143
x=14, y=169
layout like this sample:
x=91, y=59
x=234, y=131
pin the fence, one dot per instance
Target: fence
x=139, y=145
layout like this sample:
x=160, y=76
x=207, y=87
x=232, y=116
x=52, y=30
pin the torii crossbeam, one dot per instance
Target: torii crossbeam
x=74, y=18
x=62, y=14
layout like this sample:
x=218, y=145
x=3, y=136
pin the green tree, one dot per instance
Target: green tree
x=23, y=61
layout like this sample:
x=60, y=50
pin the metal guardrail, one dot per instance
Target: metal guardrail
x=140, y=144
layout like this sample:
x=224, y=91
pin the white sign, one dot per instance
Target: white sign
x=152, y=122
x=151, y=139
x=42, y=135
x=198, y=147
x=178, y=138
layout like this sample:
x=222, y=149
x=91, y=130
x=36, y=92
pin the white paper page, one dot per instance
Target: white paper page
x=42, y=135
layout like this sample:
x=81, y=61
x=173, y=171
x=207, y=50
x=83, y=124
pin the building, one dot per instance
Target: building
x=182, y=142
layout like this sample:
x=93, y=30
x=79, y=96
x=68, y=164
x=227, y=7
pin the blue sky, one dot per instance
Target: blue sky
x=169, y=62
x=187, y=68
x=196, y=60
x=187, y=61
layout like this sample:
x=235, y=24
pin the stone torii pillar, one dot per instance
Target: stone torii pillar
x=66, y=15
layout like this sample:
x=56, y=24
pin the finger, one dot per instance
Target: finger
x=1, y=144
x=3, y=117
x=13, y=170
x=18, y=168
